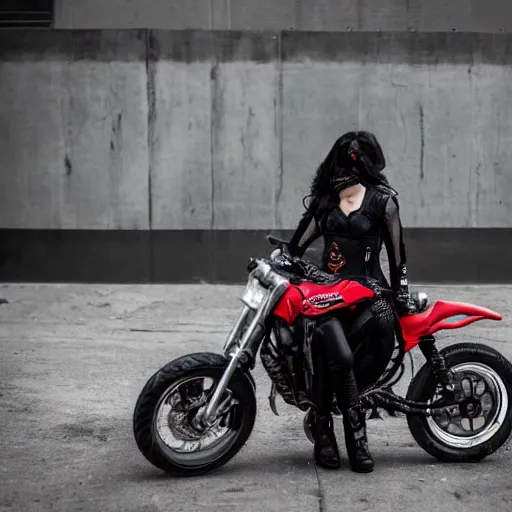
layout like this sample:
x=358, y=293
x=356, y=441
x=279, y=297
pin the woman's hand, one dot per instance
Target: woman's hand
x=404, y=303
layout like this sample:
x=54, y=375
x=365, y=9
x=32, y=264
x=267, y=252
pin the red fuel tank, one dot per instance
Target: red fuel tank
x=312, y=299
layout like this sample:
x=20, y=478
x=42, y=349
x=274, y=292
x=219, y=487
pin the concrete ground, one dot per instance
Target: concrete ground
x=75, y=357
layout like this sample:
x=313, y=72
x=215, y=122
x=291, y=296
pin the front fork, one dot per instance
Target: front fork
x=238, y=355
x=242, y=350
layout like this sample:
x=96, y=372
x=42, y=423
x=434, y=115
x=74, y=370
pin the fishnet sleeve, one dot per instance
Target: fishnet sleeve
x=306, y=233
x=393, y=238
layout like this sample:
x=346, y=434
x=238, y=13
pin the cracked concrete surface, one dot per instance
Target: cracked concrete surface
x=75, y=357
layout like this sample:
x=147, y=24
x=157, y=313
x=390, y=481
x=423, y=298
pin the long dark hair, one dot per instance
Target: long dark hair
x=353, y=150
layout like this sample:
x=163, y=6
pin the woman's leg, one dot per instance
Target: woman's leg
x=326, y=449
x=370, y=364
x=354, y=423
x=343, y=382
x=375, y=341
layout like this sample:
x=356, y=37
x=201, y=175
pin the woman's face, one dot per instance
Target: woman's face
x=342, y=178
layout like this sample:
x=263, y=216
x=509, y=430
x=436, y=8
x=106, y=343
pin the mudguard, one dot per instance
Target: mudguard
x=442, y=315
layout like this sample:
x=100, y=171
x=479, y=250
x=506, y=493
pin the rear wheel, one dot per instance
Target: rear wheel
x=484, y=420
x=165, y=418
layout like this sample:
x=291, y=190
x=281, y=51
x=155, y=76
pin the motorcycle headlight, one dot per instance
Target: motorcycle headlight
x=254, y=294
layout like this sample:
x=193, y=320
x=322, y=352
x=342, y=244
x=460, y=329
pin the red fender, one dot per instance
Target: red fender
x=442, y=315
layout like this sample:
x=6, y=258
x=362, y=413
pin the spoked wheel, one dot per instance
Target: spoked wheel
x=178, y=430
x=167, y=425
x=482, y=422
x=481, y=413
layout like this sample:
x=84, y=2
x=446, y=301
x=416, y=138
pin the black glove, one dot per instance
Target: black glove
x=311, y=272
x=404, y=303
x=283, y=262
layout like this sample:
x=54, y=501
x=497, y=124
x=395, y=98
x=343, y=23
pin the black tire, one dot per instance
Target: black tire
x=201, y=364
x=422, y=387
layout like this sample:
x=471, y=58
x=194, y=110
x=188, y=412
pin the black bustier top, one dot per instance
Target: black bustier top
x=353, y=242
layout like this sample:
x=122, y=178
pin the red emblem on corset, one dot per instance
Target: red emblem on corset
x=336, y=259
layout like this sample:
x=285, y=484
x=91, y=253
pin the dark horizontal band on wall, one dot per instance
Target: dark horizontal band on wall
x=435, y=255
x=427, y=48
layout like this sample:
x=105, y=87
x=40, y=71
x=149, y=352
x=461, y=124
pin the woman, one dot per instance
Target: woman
x=355, y=210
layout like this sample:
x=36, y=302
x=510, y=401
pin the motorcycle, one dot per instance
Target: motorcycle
x=196, y=412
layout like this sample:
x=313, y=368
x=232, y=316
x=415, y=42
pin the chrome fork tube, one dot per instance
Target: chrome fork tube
x=233, y=364
x=234, y=331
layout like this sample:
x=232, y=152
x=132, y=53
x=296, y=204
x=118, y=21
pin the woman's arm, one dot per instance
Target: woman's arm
x=393, y=239
x=306, y=233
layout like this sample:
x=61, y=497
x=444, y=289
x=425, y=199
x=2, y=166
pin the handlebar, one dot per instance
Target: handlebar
x=281, y=252
x=282, y=255
x=276, y=241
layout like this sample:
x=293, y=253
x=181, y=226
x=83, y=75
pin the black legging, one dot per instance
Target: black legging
x=373, y=341
x=337, y=370
x=333, y=368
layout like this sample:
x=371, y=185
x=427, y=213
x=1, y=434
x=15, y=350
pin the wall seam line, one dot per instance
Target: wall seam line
x=279, y=113
x=150, y=93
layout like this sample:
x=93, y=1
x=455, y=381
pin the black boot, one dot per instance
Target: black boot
x=356, y=441
x=326, y=449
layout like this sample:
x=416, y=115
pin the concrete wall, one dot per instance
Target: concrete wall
x=439, y=104
x=316, y=15
x=73, y=130
x=213, y=136
x=223, y=130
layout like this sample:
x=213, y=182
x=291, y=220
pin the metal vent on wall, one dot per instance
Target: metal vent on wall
x=26, y=13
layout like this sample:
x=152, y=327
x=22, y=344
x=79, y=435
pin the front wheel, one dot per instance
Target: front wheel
x=165, y=418
x=484, y=422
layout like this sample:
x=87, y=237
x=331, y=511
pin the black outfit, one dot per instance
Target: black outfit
x=352, y=247
x=353, y=242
